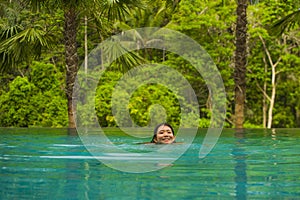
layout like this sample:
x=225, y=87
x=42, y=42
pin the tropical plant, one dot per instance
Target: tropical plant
x=287, y=22
x=212, y=25
x=271, y=60
x=72, y=11
x=23, y=35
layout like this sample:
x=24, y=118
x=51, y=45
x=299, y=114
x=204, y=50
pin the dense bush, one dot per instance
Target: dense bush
x=35, y=100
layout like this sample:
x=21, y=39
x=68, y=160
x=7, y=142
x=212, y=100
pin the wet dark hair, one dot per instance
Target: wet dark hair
x=156, y=128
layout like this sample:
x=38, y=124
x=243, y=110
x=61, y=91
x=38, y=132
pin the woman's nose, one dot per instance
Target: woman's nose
x=165, y=133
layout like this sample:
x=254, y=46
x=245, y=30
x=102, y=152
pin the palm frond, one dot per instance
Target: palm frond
x=117, y=53
x=118, y=9
x=286, y=23
x=23, y=46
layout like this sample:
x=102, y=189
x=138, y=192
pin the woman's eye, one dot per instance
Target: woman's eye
x=162, y=132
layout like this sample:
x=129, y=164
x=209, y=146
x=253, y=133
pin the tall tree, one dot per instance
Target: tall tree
x=72, y=10
x=240, y=62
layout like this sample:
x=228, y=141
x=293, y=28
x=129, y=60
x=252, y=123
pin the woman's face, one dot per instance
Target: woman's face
x=164, y=135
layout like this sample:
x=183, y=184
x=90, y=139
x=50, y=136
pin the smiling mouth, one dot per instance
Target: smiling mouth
x=166, y=139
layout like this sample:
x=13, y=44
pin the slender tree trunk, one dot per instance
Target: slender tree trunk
x=70, y=31
x=240, y=62
x=265, y=96
x=272, y=102
x=265, y=105
x=85, y=45
x=273, y=85
x=273, y=82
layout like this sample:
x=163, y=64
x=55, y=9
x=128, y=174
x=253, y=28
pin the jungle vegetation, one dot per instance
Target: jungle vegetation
x=254, y=44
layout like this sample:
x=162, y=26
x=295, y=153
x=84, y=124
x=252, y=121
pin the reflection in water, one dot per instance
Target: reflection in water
x=72, y=131
x=273, y=134
x=240, y=167
x=86, y=179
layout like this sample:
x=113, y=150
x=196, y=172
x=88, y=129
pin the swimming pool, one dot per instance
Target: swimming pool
x=50, y=164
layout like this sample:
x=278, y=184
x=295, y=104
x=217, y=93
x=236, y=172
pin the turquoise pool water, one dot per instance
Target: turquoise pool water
x=50, y=164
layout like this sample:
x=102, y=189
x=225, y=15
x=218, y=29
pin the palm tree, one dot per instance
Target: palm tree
x=73, y=10
x=20, y=40
x=158, y=14
x=240, y=62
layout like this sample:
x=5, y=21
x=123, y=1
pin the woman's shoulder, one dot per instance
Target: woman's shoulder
x=145, y=143
x=158, y=143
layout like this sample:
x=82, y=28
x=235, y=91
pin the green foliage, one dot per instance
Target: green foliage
x=36, y=100
x=211, y=24
x=23, y=36
x=31, y=93
x=17, y=105
x=154, y=102
x=148, y=105
x=103, y=98
x=281, y=49
x=247, y=124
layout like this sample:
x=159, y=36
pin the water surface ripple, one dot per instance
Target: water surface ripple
x=50, y=164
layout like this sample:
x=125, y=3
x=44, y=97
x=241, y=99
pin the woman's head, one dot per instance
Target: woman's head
x=163, y=134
